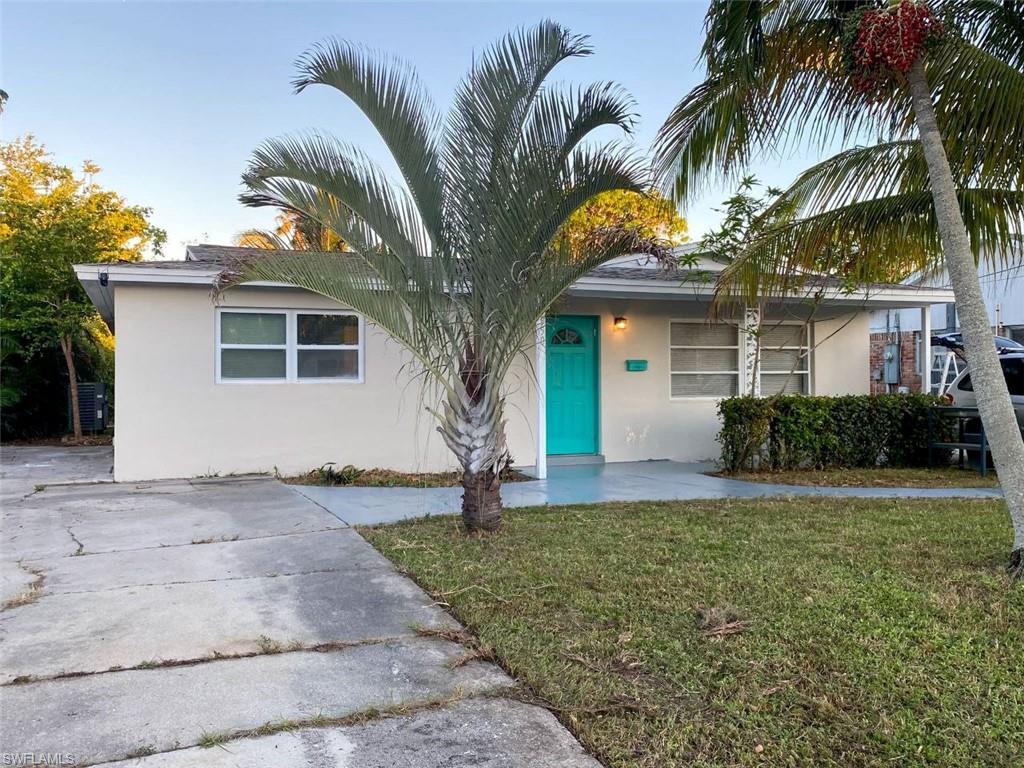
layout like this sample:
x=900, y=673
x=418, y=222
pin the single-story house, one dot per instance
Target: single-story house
x=266, y=378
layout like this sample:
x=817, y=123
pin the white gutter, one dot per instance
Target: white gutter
x=138, y=274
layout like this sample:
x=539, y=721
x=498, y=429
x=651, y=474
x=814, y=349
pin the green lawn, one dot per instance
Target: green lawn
x=809, y=632
x=880, y=477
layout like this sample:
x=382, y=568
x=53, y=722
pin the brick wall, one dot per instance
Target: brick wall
x=909, y=377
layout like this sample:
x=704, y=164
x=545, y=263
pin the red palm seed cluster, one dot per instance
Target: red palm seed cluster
x=891, y=40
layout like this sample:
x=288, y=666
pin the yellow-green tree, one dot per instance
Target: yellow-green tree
x=50, y=219
x=649, y=216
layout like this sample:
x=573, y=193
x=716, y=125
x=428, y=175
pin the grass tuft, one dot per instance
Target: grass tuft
x=214, y=738
x=320, y=720
x=31, y=593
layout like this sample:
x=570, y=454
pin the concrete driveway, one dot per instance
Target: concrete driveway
x=228, y=623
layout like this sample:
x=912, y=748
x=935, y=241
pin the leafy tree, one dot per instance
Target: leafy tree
x=742, y=219
x=650, y=215
x=460, y=262
x=51, y=219
x=942, y=86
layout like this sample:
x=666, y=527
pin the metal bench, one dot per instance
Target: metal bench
x=966, y=440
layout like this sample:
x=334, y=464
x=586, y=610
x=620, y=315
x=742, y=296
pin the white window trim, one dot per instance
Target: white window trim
x=291, y=346
x=671, y=372
x=806, y=348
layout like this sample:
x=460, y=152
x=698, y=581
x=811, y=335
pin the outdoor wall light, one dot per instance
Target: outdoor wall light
x=620, y=323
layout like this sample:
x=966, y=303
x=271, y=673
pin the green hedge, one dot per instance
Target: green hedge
x=798, y=431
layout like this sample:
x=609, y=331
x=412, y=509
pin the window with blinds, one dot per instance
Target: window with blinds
x=705, y=359
x=785, y=359
x=281, y=345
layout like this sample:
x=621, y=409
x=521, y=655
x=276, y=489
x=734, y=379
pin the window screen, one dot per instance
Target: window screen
x=784, y=359
x=253, y=345
x=704, y=359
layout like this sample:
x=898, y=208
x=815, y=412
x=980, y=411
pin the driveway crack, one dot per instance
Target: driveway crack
x=81, y=547
x=265, y=647
x=275, y=575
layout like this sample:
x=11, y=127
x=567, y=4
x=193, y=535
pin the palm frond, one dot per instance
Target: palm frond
x=302, y=172
x=883, y=239
x=979, y=105
x=853, y=175
x=390, y=94
x=776, y=78
x=996, y=26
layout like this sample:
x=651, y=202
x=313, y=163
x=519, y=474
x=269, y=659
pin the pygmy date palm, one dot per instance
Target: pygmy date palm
x=942, y=184
x=460, y=261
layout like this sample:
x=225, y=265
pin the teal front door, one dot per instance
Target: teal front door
x=571, y=384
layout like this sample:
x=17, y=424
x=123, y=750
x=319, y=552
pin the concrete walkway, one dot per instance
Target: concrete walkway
x=142, y=621
x=589, y=484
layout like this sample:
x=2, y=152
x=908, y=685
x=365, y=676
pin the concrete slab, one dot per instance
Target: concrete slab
x=182, y=570
x=111, y=716
x=485, y=733
x=63, y=520
x=96, y=631
x=23, y=467
x=340, y=549
x=591, y=484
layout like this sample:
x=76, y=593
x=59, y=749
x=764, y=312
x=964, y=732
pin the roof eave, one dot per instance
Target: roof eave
x=100, y=279
x=877, y=297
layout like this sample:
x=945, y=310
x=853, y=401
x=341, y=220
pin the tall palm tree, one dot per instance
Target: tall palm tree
x=293, y=230
x=460, y=262
x=943, y=182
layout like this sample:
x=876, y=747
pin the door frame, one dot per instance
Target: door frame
x=597, y=379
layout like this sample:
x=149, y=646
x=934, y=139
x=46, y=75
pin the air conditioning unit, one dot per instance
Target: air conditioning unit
x=92, y=406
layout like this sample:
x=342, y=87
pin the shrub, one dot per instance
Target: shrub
x=331, y=474
x=798, y=431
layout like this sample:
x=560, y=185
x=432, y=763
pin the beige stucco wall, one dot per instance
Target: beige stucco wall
x=174, y=420
x=842, y=356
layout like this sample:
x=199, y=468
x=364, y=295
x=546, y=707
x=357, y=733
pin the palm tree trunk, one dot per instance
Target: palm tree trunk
x=481, y=501
x=994, y=403
x=69, y=360
x=473, y=427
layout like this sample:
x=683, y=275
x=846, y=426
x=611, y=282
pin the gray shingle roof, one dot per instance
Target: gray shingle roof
x=215, y=255
x=698, y=276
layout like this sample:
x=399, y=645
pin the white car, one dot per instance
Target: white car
x=962, y=391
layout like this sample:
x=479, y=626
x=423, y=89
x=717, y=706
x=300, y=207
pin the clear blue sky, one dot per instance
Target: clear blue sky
x=170, y=98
